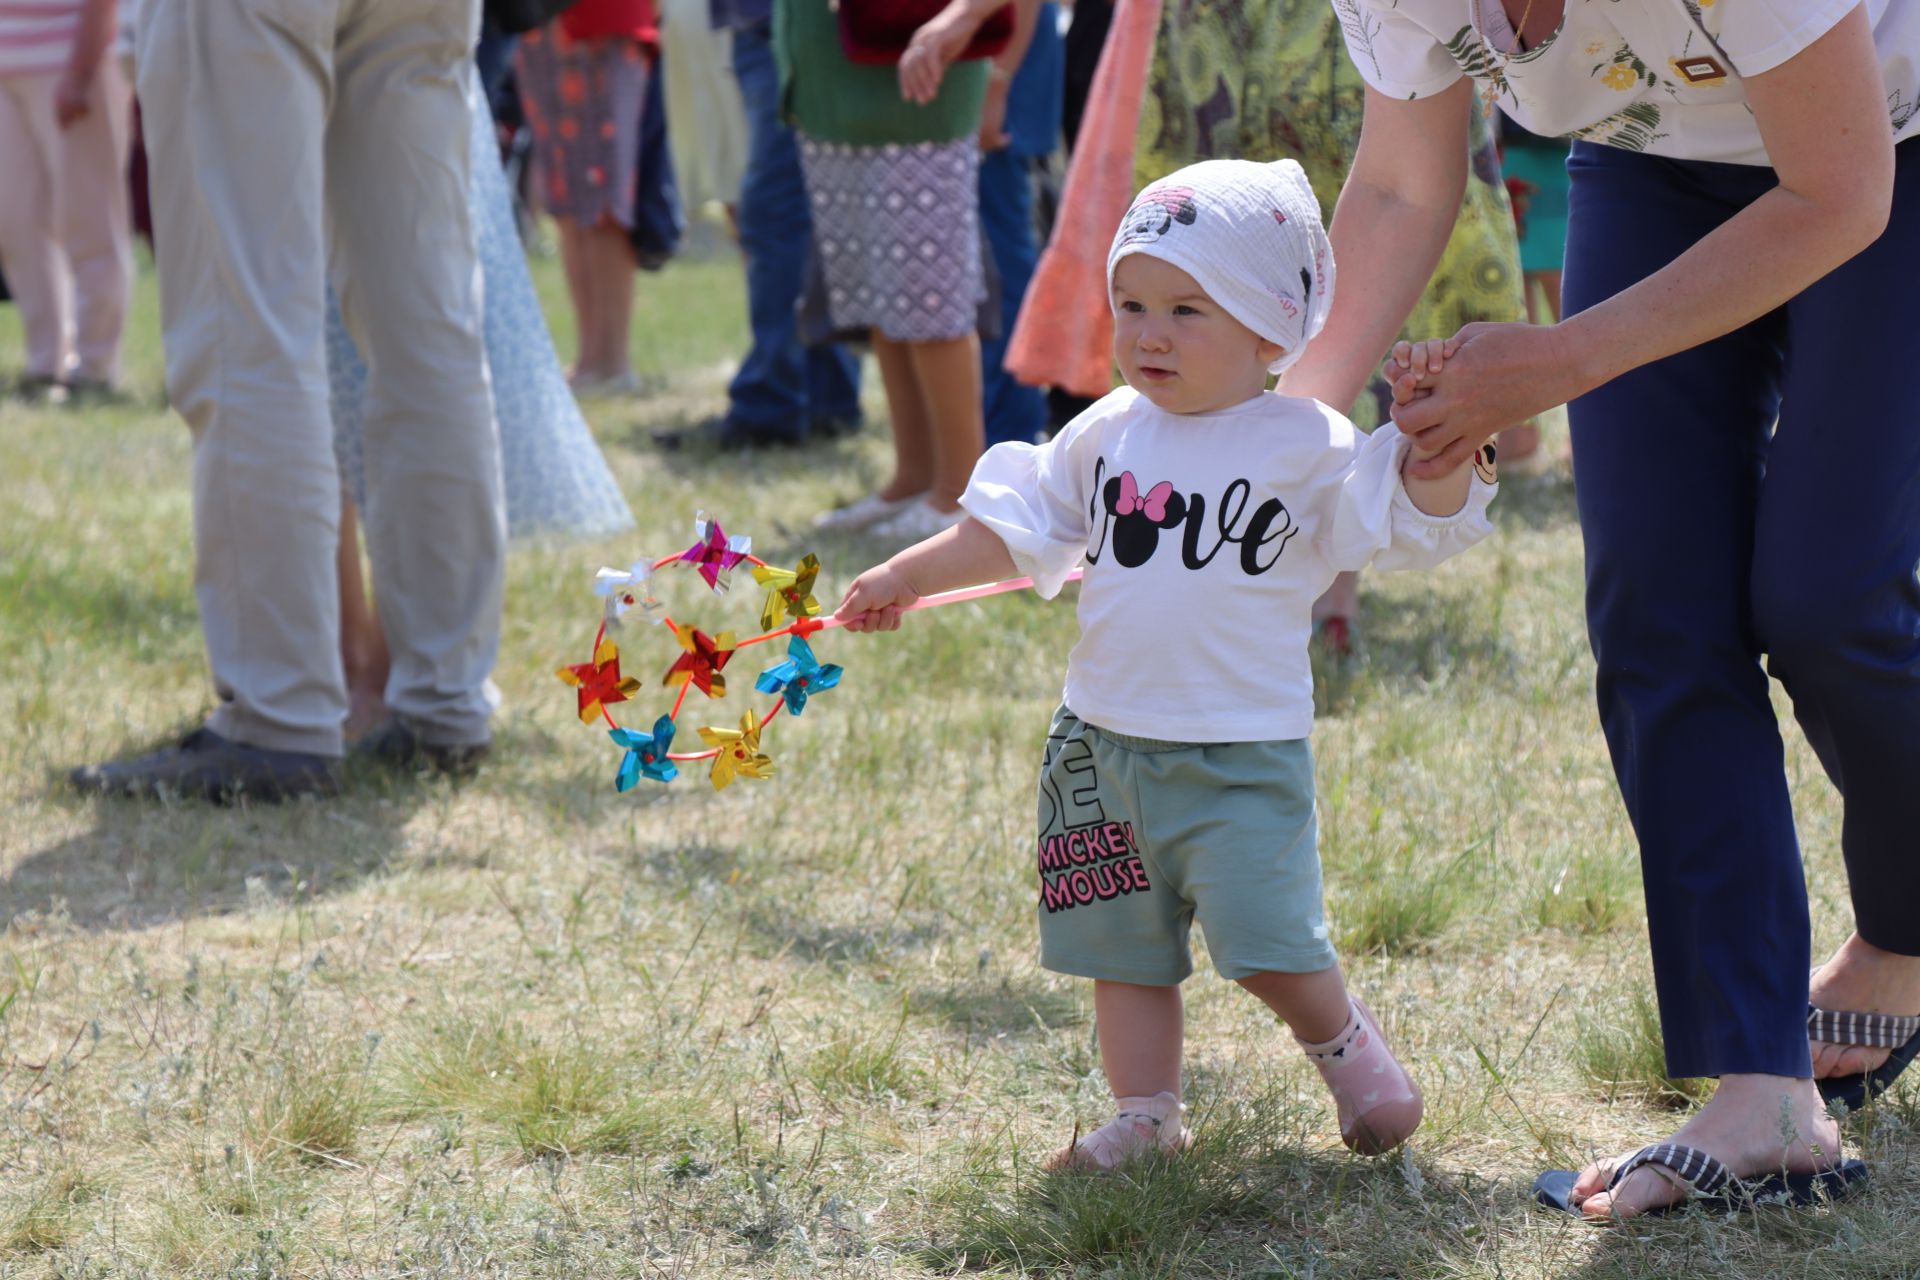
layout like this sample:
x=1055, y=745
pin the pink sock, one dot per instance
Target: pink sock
x=1379, y=1105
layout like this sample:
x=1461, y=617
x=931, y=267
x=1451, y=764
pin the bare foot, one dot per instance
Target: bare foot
x=1755, y=1125
x=1862, y=978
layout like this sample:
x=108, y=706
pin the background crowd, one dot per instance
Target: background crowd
x=894, y=200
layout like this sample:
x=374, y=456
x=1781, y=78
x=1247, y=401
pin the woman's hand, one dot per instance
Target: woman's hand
x=1496, y=375
x=933, y=46
x=993, y=112
x=70, y=96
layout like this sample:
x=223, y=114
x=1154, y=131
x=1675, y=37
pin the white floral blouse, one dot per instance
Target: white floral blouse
x=1661, y=76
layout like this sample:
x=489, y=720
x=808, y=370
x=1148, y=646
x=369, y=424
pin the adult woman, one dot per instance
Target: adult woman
x=557, y=480
x=892, y=170
x=1259, y=80
x=64, y=234
x=1726, y=262
x=583, y=81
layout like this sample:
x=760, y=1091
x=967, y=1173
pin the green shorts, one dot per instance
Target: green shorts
x=1140, y=838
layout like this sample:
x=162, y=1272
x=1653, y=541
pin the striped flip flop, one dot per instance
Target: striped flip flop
x=1872, y=1031
x=1710, y=1184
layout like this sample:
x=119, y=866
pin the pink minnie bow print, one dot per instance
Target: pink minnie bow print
x=1153, y=506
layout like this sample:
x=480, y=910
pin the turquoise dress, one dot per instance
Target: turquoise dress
x=557, y=480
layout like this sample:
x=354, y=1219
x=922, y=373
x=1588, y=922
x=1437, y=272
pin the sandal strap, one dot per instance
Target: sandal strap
x=1868, y=1030
x=1703, y=1174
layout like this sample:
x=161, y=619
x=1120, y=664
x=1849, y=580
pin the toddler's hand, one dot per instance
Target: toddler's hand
x=1413, y=365
x=876, y=600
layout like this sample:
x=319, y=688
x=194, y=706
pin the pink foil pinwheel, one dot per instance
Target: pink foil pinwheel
x=715, y=553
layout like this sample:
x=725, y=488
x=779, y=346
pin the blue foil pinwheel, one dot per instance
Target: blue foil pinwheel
x=799, y=677
x=646, y=755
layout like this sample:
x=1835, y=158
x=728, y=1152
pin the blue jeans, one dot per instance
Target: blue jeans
x=781, y=385
x=1714, y=536
x=1014, y=411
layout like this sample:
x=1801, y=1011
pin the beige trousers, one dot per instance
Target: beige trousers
x=66, y=238
x=290, y=140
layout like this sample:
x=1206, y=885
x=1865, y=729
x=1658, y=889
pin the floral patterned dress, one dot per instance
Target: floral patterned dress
x=1271, y=80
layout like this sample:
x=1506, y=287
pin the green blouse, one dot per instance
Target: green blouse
x=831, y=99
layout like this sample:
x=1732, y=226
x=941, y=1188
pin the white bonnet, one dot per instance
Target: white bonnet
x=1250, y=235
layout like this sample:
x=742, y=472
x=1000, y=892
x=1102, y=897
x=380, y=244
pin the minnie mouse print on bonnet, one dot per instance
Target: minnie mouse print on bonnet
x=1250, y=235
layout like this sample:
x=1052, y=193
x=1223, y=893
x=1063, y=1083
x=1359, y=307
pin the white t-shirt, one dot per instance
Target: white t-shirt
x=1207, y=538
x=1661, y=76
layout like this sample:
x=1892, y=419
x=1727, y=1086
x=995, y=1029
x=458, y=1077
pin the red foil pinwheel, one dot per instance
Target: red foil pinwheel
x=599, y=681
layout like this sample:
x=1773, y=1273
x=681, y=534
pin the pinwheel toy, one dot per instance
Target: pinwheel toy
x=798, y=677
x=737, y=752
x=701, y=662
x=790, y=591
x=599, y=681
x=790, y=610
x=647, y=755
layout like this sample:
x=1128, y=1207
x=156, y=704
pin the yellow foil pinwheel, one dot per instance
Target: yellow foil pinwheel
x=740, y=755
x=789, y=591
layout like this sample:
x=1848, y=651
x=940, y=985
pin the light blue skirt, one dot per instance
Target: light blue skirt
x=557, y=480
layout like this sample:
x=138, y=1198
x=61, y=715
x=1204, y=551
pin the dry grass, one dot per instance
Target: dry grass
x=527, y=1027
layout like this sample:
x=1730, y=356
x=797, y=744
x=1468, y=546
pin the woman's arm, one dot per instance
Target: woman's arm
x=945, y=36
x=1823, y=117
x=1395, y=213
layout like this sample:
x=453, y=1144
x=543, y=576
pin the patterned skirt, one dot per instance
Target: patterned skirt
x=897, y=228
x=583, y=99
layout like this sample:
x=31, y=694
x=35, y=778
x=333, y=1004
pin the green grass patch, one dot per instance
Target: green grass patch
x=1620, y=1054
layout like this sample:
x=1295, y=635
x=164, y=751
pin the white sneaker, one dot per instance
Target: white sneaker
x=919, y=521
x=871, y=509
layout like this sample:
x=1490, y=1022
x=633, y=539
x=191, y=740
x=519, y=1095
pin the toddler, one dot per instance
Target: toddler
x=1176, y=783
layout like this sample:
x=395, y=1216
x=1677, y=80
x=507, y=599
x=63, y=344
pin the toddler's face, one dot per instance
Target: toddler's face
x=1178, y=347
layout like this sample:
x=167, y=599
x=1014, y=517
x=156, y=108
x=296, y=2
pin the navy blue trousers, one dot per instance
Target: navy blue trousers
x=1714, y=537
x=781, y=386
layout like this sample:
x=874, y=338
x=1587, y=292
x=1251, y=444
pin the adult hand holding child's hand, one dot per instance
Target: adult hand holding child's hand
x=1495, y=375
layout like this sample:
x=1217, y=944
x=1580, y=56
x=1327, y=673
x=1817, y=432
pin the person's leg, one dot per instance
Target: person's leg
x=910, y=419
x=573, y=263
x=1313, y=1005
x=1837, y=605
x=363, y=645
x=780, y=384
x=95, y=225
x=610, y=265
x=36, y=271
x=947, y=375
x=405, y=261
x=236, y=99
x=1141, y=1030
x=1670, y=458
x=1013, y=410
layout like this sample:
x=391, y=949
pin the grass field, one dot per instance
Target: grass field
x=528, y=1027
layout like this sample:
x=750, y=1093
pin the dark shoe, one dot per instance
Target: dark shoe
x=728, y=436
x=833, y=427
x=394, y=746
x=206, y=766
x=40, y=388
x=83, y=392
